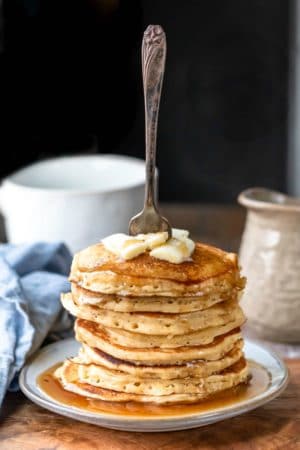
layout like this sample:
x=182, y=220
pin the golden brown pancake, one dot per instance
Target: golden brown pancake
x=156, y=323
x=90, y=334
x=131, y=339
x=97, y=269
x=170, y=305
x=116, y=380
x=196, y=368
x=207, y=262
x=236, y=374
x=112, y=283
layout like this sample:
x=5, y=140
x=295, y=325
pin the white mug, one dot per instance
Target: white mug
x=77, y=200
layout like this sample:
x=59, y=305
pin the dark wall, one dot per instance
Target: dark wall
x=67, y=73
x=71, y=70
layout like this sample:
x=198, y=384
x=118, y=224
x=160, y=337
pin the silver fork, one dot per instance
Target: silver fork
x=154, y=50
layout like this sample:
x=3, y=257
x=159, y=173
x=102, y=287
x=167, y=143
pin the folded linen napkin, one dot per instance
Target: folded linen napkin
x=32, y=276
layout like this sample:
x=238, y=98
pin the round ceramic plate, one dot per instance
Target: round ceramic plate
x=57, y=352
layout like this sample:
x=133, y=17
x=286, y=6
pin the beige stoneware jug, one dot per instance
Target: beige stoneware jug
x=270, y=259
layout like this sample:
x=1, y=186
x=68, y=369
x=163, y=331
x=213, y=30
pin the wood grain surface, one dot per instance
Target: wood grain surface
x=25, y=426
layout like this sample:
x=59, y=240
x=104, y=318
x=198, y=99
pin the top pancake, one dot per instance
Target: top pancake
x=99, y=270
x=207, y=262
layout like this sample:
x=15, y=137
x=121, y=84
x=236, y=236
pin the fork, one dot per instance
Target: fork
x=154, y=49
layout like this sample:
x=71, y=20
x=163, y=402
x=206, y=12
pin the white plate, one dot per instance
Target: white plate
x=57, y=352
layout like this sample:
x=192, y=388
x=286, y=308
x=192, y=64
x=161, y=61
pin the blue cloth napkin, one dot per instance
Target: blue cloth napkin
x=32, y=276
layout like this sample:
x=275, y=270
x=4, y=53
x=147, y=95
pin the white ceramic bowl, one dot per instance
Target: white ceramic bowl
x=77, y=200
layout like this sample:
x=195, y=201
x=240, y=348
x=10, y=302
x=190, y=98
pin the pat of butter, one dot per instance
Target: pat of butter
x=175, y=250
x=179, y=234
x=126, y=247
x=152, y=240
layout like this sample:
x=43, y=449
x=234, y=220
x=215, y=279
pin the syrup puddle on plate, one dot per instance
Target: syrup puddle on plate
x=260, y=380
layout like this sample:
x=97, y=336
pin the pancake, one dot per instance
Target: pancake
x=206, y=262
x=138, y=340
x=112, y=283
x=196, y=368
x=90, y=334
x=156, y=323
x=116, y=380
x=170, y=305
x=236, y=374
x=99, y=270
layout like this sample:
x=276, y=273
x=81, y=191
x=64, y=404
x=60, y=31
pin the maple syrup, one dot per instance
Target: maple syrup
x=260, y=380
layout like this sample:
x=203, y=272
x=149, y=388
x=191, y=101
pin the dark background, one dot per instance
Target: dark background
x=70, y=77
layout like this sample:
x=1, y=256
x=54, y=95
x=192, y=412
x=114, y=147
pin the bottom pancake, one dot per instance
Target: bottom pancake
x=181, y=391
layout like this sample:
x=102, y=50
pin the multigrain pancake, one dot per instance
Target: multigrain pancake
x=88, y=333
x=156, y=323
x=99, y=270
x=116, y=380
x=112, y=283
x=230, y=377
x=169, y=305
x=131, y=339
x=196, y=368
x=206, y=262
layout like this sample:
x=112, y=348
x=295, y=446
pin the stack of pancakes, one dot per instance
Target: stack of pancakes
x=154, y=331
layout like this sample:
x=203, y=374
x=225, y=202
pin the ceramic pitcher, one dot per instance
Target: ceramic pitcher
x=270, y=259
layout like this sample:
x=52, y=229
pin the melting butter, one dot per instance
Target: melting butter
x=175, y=250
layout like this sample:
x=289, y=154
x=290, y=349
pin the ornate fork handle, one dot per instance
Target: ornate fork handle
x=154, y=48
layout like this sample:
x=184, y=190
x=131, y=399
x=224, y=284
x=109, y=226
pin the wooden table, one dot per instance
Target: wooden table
x=25, y=426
